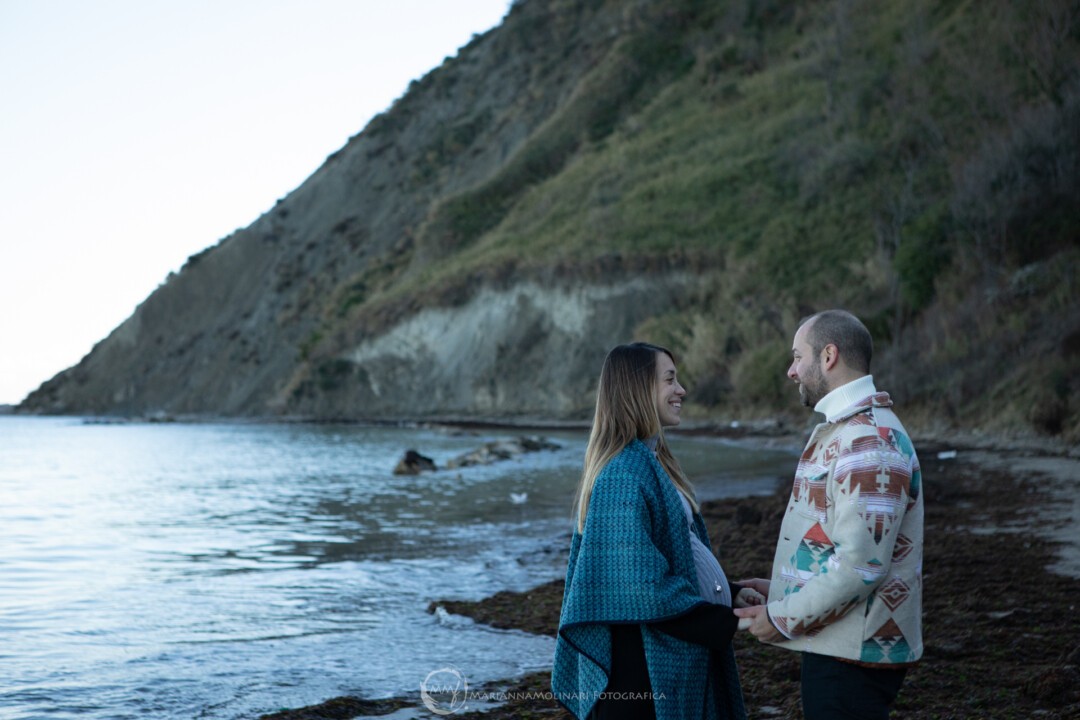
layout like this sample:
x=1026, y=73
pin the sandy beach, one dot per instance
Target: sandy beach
x=1002, y=581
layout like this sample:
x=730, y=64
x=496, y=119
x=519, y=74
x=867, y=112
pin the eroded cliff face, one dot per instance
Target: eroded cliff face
x=527, y=351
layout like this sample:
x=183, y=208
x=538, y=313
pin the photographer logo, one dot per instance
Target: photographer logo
x=444, y=691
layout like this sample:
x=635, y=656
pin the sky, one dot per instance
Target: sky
x=135, y=133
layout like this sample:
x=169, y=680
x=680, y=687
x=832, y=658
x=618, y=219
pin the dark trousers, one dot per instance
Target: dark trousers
x=836, y=690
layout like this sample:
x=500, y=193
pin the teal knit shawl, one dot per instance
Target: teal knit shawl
x=633, y=564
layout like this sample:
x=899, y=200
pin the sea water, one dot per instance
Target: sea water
x=224, y=570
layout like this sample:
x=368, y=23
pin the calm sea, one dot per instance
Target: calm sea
x=227, y=570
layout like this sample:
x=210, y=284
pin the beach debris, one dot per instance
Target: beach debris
x=448, y=619
x=946, y=455
x=519, y=498
x=440, y=614
x=413, y=463
x=502, y=450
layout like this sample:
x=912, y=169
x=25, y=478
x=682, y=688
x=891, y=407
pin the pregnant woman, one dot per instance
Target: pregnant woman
x=646, y=621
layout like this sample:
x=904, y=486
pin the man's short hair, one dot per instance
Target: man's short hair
x=846, y=332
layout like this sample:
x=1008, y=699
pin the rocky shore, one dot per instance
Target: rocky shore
x=1002, y=585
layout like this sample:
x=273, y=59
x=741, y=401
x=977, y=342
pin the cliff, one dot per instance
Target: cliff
x=700, y=174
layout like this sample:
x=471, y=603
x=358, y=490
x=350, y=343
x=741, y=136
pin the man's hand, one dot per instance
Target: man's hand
x=756, y=620
x=759, y=584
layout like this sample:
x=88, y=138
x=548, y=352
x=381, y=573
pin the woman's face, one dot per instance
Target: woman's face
x=669, y=393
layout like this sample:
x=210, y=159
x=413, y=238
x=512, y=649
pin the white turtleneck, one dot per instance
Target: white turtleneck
x=843, y=397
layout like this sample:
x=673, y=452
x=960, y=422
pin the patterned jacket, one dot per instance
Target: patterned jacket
x=847, y=576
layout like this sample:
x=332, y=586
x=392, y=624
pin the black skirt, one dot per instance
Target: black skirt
x=628, y=695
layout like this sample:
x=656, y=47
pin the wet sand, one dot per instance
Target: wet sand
x=1001, y=589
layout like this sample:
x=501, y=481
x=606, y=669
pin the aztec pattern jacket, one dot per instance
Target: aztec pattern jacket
x=633, y=565
x=847, y=576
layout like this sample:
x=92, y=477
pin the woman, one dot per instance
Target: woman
x=646, y=621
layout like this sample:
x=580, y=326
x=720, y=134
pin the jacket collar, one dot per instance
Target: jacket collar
x=851, y=399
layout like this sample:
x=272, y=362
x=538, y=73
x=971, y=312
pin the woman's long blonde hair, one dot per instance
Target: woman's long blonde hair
x=625, y=410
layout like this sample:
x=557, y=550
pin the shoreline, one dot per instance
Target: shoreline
x=768, y=433
x=781, y=431
x=1002, y=575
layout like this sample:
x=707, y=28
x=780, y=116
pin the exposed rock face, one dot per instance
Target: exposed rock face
x=528, y=350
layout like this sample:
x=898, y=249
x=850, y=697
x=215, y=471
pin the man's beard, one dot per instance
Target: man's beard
x=812, y=388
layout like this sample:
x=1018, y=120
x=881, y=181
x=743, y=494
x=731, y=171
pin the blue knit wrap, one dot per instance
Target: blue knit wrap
x=633, y=565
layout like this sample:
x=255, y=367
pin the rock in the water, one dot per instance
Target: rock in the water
x=502, y=450
x=414, y=463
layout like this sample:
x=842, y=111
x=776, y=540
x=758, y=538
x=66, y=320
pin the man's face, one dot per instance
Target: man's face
x=806, y=370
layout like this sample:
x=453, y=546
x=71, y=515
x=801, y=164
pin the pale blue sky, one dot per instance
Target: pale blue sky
x=134, y=133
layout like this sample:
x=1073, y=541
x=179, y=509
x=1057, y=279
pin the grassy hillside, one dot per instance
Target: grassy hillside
x=916, y=161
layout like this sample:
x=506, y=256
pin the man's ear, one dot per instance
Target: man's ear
x=830, y=355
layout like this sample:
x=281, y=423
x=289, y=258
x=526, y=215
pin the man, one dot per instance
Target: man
x=846, y=586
